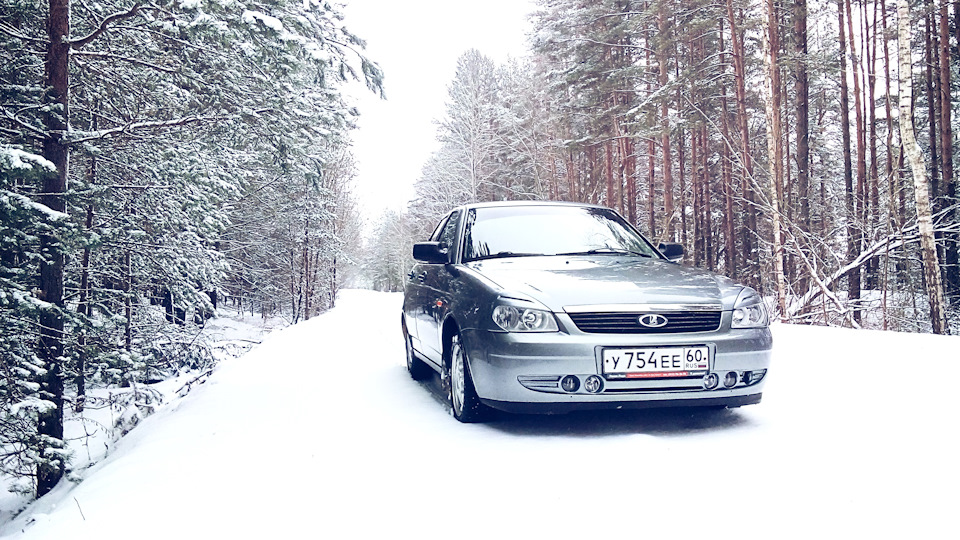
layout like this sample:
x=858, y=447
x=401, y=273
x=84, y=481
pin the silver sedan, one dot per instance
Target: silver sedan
x=553, y=307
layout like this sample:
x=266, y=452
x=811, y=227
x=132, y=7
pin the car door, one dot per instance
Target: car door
x=415, y=301
x=435, y=284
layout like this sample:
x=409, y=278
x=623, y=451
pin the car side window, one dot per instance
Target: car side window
x=448, y=236
x=435, y=237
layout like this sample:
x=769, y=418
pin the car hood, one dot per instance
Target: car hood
x=560, y=282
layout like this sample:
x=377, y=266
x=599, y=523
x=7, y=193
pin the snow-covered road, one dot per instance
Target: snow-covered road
x=320, y=433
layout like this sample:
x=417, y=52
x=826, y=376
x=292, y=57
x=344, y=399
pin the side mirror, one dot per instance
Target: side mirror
x=673, y=252
x=431, y=252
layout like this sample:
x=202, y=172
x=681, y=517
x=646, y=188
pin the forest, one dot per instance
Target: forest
x=764, y=136
x=159, y=160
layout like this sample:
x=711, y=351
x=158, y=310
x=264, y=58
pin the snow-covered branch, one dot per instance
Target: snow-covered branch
x=130, y=59
x=126, y=129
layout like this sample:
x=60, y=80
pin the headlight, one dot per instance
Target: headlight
x=749, y=311
x=514, y=319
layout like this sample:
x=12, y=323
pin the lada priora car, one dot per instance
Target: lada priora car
x=553, y=307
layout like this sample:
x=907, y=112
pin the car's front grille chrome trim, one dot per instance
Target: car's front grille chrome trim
x=535, y=382
x=630, y=322
x=640, y=308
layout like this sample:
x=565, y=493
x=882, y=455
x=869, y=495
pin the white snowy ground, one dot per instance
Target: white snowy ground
x=320, y=433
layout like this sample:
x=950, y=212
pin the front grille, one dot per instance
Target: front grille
x=640, y=390
x=629, y=323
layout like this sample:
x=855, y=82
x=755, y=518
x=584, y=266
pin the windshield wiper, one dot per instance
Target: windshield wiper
x=504, y=255
x=608, y=251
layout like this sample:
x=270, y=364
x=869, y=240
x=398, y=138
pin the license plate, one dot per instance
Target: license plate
x=656, y=362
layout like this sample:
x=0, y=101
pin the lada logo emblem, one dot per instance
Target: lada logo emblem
x=653, y=320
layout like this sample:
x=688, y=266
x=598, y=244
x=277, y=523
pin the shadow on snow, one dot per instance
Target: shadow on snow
x=672, y=421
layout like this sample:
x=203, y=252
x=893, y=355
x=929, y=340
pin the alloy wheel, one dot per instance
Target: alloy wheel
x=457, y=380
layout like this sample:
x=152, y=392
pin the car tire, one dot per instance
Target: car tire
x=464, y=402
x=417, y=368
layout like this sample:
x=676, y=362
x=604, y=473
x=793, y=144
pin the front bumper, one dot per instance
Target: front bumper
x=520, y=372
x=571, y=406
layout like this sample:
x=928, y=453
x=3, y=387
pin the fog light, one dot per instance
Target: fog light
x=593, y=384
x=570, y=383
x=730, y=379
x=753, y=377
x=711, y=381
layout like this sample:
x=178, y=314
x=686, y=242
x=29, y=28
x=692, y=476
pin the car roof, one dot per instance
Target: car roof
x=495, y=204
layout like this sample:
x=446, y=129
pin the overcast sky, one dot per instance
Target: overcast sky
x=417, y=43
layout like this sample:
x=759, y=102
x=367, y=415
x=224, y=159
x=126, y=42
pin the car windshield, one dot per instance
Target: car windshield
x=522, y=231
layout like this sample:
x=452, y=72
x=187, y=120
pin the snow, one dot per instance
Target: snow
x=250, y=17
x=319, y=432
x=53, y=215
x=41, y=405
x=14, y=158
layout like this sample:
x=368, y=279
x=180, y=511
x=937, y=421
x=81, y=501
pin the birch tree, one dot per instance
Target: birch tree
x=931, y=266
x=774, y=147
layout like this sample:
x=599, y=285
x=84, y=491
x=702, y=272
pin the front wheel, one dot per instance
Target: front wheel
x=464, y=402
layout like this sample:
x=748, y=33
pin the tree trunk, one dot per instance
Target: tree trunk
x=682, y=173
x=681, y=164
x=946, y=145
x=889, y=163
x=860, y=199
x=611, y=198
x=668, y=209
x=127, y=301
x=873, y=187
x=730, y=243
x=802, y=87
x=307, y=278
x=853, y=278
x=651, y=187
x=83, y=308
x=931, y=267
x=630, y=172
x=707, y=211
x=775, y=147
x=56, y=150
x=802, y=126
x=931, y=84
x=651, y=161
x=750, y=255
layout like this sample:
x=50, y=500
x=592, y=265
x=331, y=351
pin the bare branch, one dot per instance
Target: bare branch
x=907, y=236
x=33, y=131
x=104, y=26
x=12, y=32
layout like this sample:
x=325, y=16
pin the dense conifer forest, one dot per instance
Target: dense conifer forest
x=766, y=137
x=158, y=159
